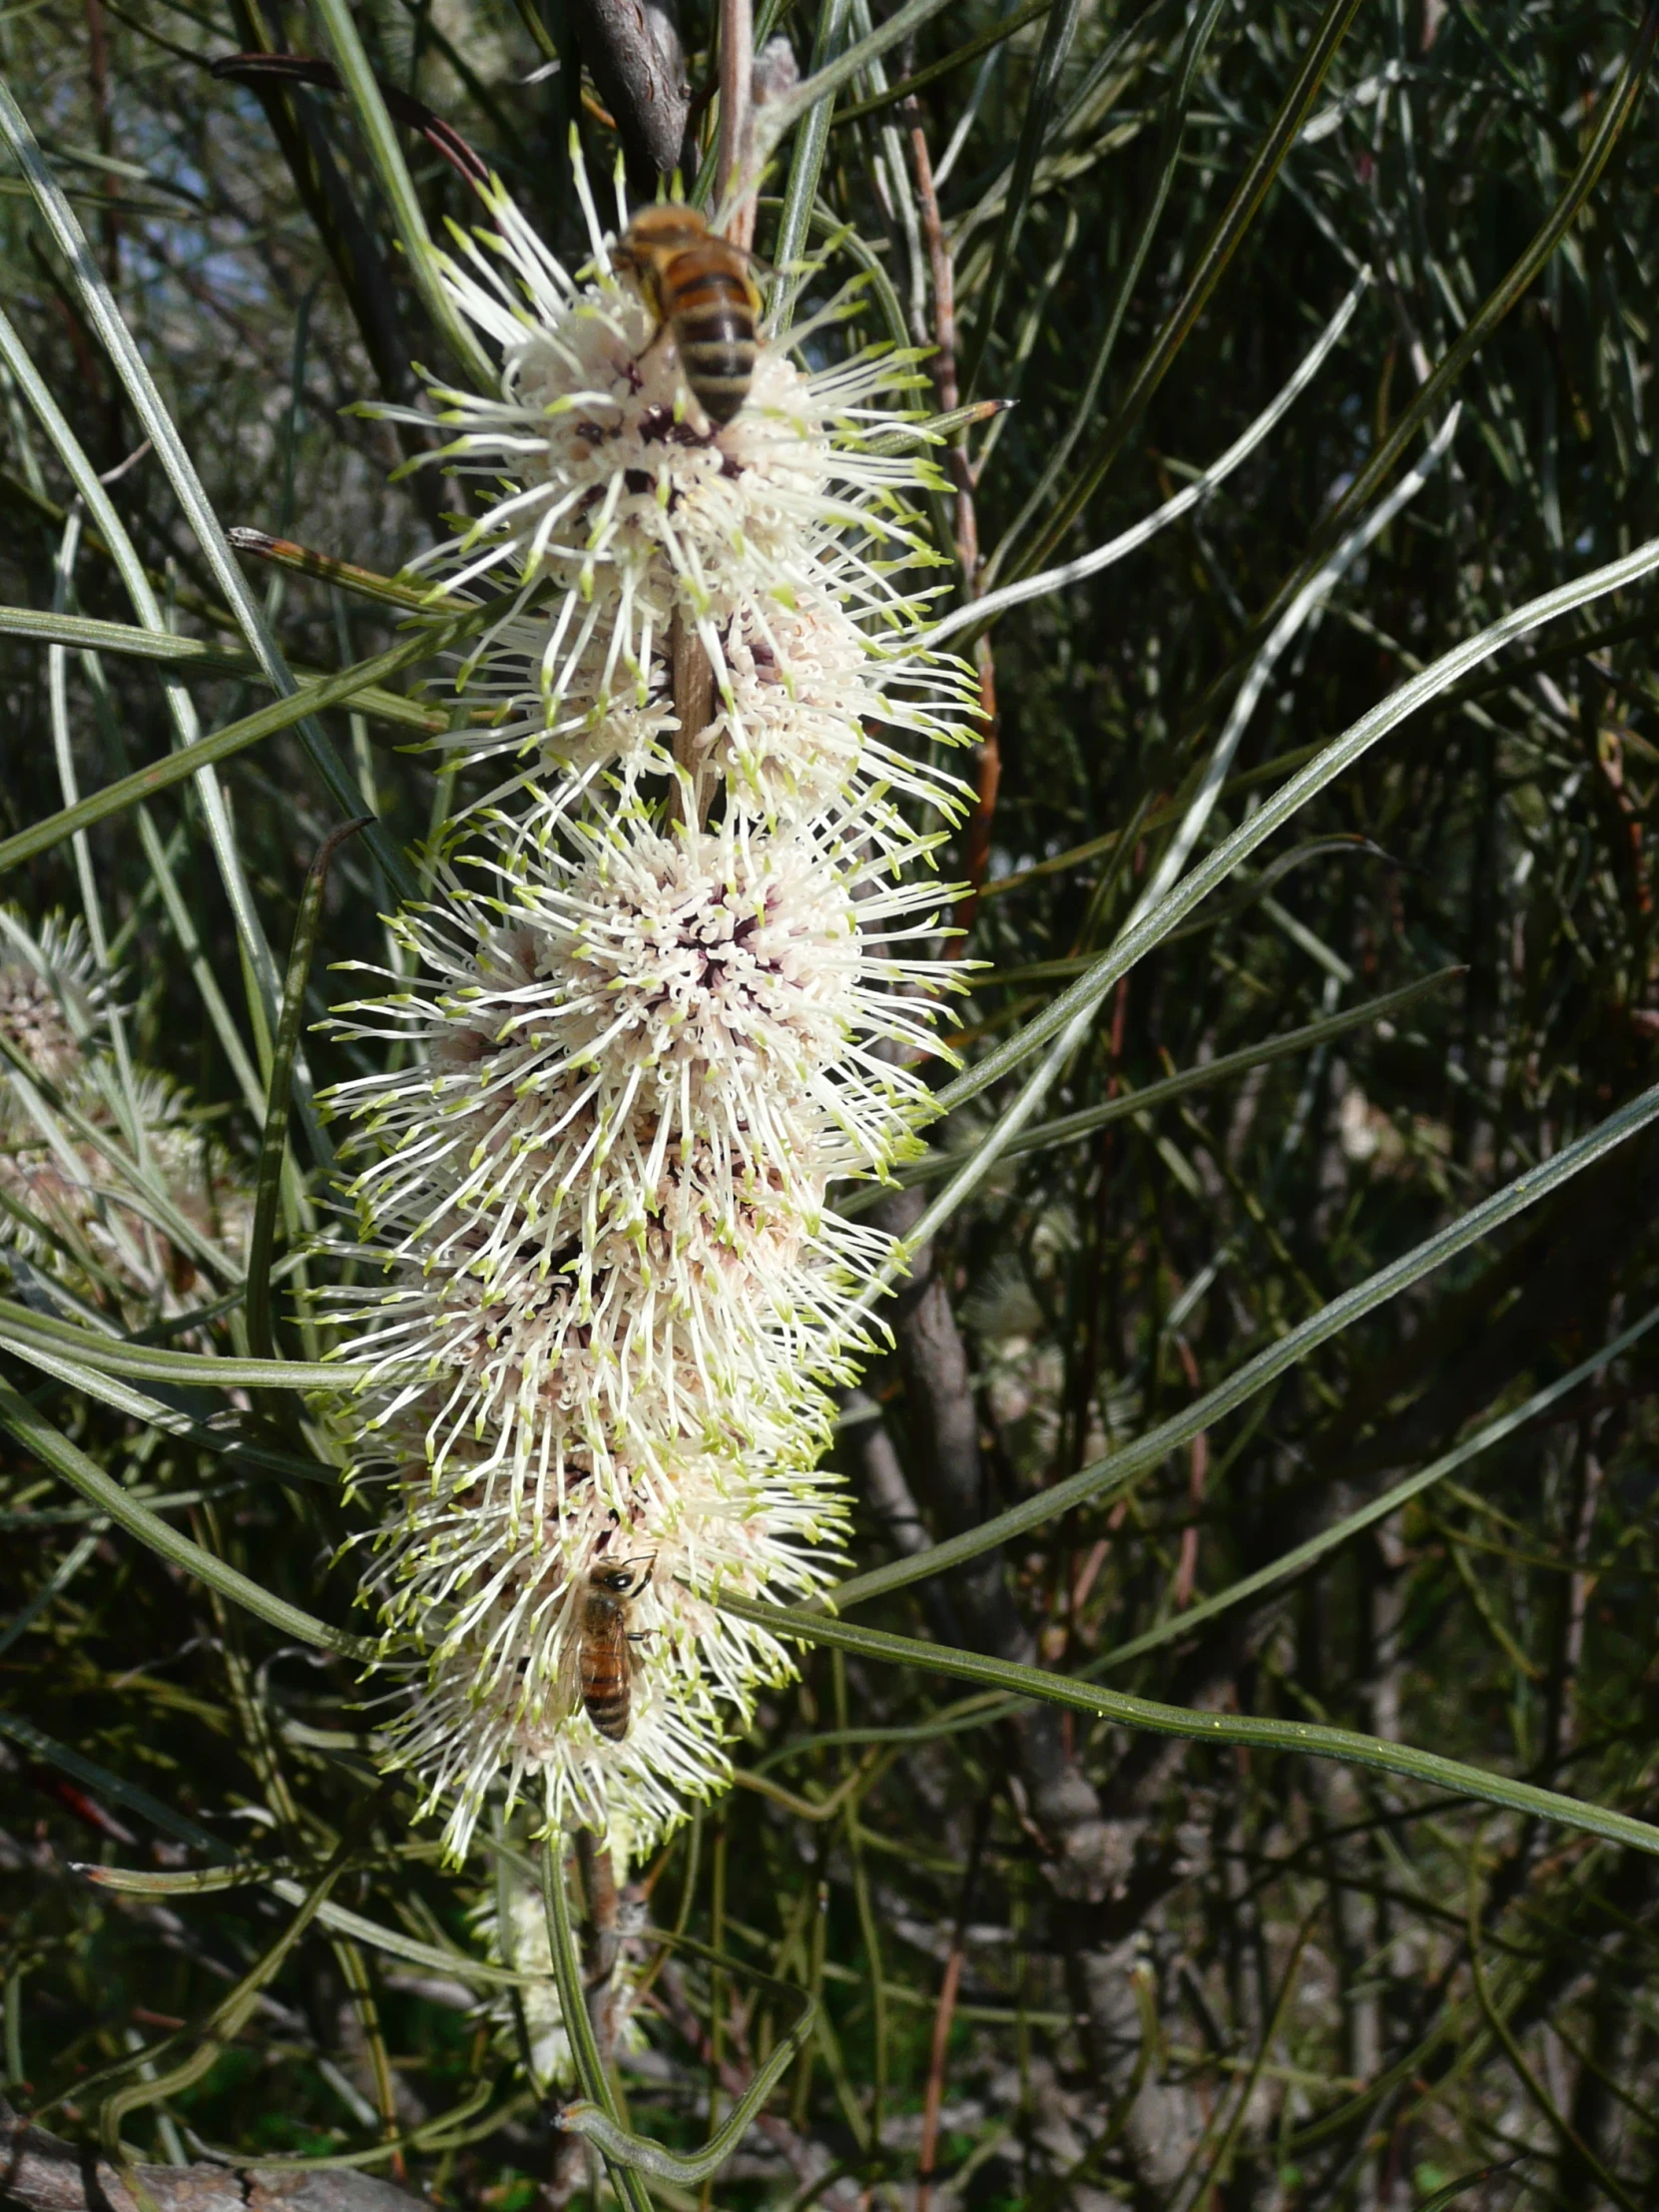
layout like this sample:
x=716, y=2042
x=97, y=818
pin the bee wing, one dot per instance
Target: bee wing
x=567, y=1695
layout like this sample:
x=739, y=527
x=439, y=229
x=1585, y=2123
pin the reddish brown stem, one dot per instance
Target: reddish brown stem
x=737, y=70
x=693, y=704
x=976, y=839
x=943, y=2014
x=1186, y=1570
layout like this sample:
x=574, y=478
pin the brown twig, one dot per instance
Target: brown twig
x=632, y=48
x=944, y=2014
x=737, y=119
x=42, y=2173
x=1186, y=1570
x=693, y=705
x=1111, y=1859
x=942, y=369
x=987, y=782
x=601, y=1942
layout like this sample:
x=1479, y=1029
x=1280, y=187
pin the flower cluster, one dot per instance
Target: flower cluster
x=673, y=982
x=512, y=1922
x=108, y=1187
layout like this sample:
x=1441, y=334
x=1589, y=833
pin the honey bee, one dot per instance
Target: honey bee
x=699, y=288
x=601, y=1660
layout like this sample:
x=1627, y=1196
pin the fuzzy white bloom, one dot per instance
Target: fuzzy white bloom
x=52, y=998
x=669, y=988
x=781, y=540
x=513, y=1925
x=110, y=1190
x=487, y=1584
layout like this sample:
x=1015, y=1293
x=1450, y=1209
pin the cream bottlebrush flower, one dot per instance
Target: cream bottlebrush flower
x=780, y=538
x=483, y=1596
x=724, y=983
x=52, y=997
x=803, y=695
x=513, y=1925
x=616, y=1289
x=639, y=1032
x=638, y=1066
x=84, y=1157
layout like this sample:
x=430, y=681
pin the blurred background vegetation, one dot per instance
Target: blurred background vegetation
x=1060, y=1962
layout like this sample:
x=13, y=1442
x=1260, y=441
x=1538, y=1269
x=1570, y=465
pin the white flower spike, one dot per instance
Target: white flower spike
x=670, y=987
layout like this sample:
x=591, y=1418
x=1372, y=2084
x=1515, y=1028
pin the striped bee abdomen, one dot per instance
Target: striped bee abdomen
x=605, y=1665
x=610, y=1710
x=713, y=317
x=697, y=287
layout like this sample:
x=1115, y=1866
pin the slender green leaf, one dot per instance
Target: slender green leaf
x=222, y=2024
x=1116, y=549
x=1207, y=269
x=1431, y=395
x=119, y=1355
x=51, y=628
x=686, y=2170
x=573, y=2010
x=36, y=1435
x=1038, y=106
x=805, y=167
x=395, y=1943
x=1169, y=148
x=1292, y=1563
x=236, y=736
x=1068, y=1128
x=181, y=706
x=1088, y=992
x=1311, y=1739
x=1110, y=1476
x=273, y=1141
x=829, y=75
x=907, y=86
x=141, y=1882
x=62, y=1575
x=116, y=1787
x=386, y=152
x=154, y=1413
x=1452, y=2190
x=147, y=402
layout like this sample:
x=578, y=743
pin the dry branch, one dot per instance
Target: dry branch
x=632, y=48
x=42, y=2173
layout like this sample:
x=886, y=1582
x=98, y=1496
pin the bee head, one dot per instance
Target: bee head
x=618, y=1579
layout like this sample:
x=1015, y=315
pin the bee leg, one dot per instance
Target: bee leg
x=651, y=344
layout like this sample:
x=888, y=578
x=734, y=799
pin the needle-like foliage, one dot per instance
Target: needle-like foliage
x=1223, y=1774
